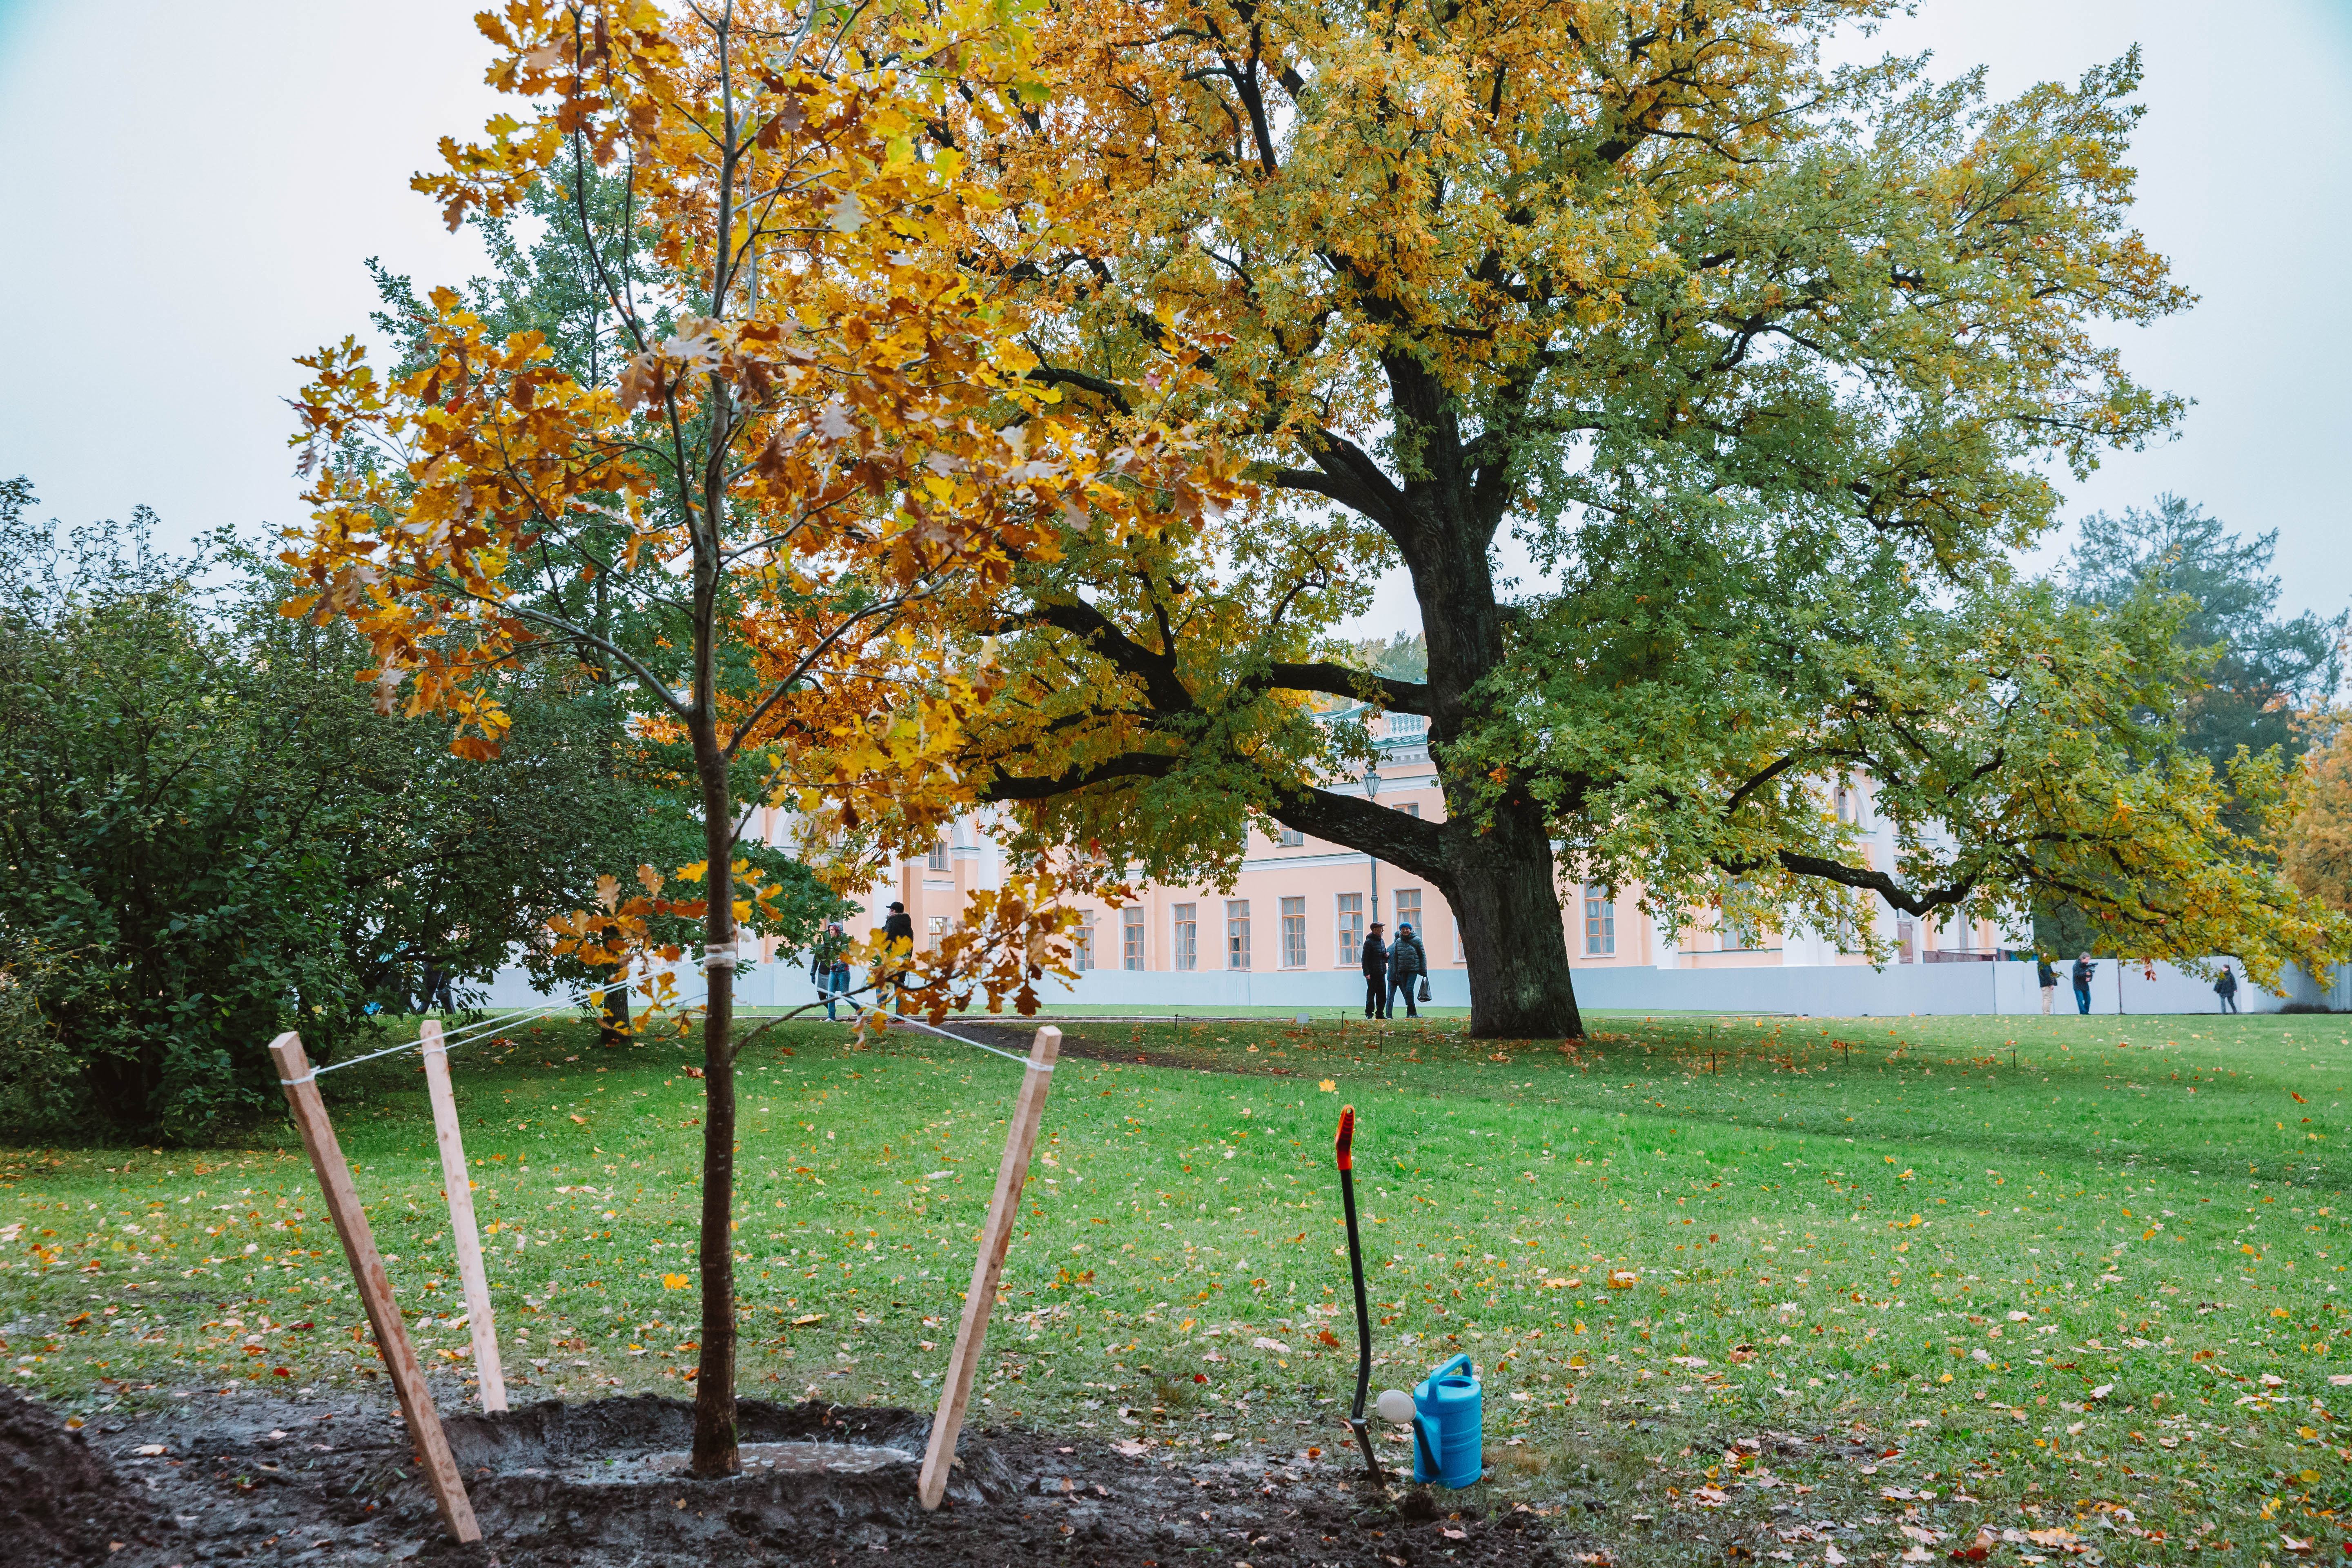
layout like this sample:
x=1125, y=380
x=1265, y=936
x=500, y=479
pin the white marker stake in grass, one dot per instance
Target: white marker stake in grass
x=1003, y=1212
x=478, y=1322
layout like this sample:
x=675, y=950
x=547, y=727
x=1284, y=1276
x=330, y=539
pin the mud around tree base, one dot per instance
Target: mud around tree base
x=594, y=1485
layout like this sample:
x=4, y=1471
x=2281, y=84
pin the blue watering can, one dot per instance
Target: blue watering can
x=1448, y=1424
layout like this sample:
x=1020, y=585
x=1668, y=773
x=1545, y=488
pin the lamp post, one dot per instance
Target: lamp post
x=1372, y=792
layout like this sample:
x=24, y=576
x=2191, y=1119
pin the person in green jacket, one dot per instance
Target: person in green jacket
x=829, y=965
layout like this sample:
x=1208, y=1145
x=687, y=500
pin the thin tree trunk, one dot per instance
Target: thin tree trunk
x=715, y=1438
x=1504, y=896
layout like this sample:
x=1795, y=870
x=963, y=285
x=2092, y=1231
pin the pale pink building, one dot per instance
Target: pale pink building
x=1289, y=930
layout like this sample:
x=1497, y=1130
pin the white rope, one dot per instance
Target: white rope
x=976, y=1044
x=474, y=1034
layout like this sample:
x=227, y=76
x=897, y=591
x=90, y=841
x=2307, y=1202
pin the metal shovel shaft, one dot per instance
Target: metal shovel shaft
x=1356, y=1422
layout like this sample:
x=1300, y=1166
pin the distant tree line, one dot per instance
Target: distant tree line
x=2258, y=681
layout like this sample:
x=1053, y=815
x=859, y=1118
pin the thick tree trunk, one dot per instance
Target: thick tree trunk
x=1501, y=888
x=612, y=1014
x=715, y=1439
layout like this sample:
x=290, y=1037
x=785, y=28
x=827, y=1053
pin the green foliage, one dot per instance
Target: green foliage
x=159, y=802
x=2253, y=672
x=1405, y=655
x=212, y=835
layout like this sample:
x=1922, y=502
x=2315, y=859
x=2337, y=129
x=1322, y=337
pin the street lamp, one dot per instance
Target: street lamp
x=1372, y=792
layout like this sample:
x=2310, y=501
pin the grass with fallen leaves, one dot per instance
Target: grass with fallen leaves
x=2021, y=1288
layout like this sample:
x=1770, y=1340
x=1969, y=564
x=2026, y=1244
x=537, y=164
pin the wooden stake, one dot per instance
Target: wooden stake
x=1003, y=1211
x=479, y=1320
x=375, y=1285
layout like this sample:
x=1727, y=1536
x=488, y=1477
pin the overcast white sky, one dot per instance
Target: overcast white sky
x=189, y=192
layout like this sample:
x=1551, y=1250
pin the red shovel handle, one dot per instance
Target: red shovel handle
x=1347, y=1137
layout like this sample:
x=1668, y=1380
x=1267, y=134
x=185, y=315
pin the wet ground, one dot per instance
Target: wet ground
x=601, y=1483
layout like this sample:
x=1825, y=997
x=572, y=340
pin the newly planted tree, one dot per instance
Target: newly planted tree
x=1756, y=365
x=801, y=452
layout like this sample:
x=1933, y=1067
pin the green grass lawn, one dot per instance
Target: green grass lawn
x=2054, y=1269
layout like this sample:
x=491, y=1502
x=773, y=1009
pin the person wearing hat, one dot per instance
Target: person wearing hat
x=898, y=939
x=1376, y=974
x=1408, y=961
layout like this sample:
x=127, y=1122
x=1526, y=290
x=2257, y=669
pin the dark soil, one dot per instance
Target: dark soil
x=582, y=1484
x=61, y=1501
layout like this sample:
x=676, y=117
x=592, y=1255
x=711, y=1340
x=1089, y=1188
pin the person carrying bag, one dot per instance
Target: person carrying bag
x=1408, y=965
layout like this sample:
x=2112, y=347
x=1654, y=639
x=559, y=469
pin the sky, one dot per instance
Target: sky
x=191, y=193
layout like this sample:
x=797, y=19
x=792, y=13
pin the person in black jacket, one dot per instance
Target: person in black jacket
x=898, y=939
x=2084, y=970
x=1407, y=963
x=2045, y=974
x=2226, y=988
x=1376, y=974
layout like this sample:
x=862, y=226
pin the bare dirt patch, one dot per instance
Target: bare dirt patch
x=596, y=1485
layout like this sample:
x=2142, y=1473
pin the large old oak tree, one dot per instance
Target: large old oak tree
x=1746, y=364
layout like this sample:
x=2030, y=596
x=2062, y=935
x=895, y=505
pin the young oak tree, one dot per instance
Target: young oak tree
x=1756, y=359
x=809, y=449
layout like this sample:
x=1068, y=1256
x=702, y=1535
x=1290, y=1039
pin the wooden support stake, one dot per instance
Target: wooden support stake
x=478, y=1322
x=1003, y=1212
x=375, y=1285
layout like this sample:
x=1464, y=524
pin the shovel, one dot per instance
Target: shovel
x=1356, y=1422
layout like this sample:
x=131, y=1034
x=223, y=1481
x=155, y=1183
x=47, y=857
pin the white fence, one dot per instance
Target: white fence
x=1821, y=990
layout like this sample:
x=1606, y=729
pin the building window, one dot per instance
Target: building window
x=1294, y=934
x=1907, y=942
x=1289, y=838
x=1188, y=936
x=1408, y=910
x=938, y=928
x=1351, y=929
x=1599, y=921
x=938, y=858
x=1131, y=938
x=1237, y=941
x=1082, y=942
x=1413, y=808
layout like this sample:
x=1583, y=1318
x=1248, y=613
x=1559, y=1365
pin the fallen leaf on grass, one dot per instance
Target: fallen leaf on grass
x=1263, y=1344
x=1622, y=1280
x=1130, y=1447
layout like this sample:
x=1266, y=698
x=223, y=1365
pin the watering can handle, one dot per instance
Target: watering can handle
x=1460, y=1363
